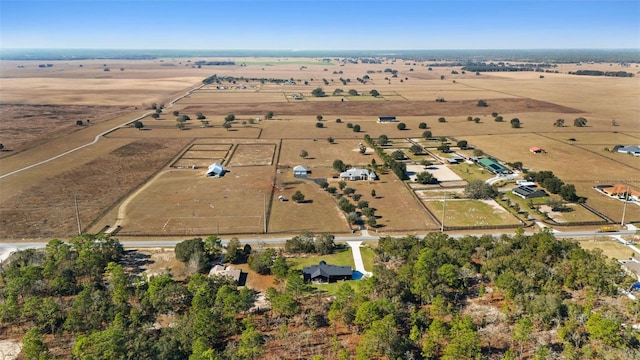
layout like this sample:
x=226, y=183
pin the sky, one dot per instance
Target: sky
x=320, y=24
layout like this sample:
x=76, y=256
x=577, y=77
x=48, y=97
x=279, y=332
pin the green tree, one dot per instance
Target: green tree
x=227, y=125
x=251, y=340
x=478, y=189
x=444, y=147
x=138, y=124
x=234, y=253
x=155, y=116
x=398, y=155
x=465, y=342
x=522, y=332
x=319, y=117
x=482, y=103
x=559, y=123
x=213, y=247
x=426, y=177
x=298, y=197
x=200, y=116
x=356, y=128
x=261, y=262
x=422, y=125
x=498, y=119
x=192, y=253
x=462, y=144
x=318, y=92
x=229, y=118
x=33, y=347
x=374, y=93
x=402, y=126
x=515, y=123
x=330, y=140
x=339, y=165
x=442, y=119
x=580, y=122
x=383, y=140
x=605, y=329
x=304, y=154
x=427, y=135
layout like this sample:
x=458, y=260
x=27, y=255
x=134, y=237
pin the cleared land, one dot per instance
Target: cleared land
x=260, y=154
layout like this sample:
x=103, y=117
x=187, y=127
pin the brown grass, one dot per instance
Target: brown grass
x=536, y=102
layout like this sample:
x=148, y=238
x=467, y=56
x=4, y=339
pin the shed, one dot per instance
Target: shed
x=324, y=272
x=494, y=166
x=300, y=171
x=382, y=119
x=527, y=192
x=215, y=170
x=536, y=150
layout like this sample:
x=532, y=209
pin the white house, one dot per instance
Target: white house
x=215, y=170
x=300, y=171
x=358, y=174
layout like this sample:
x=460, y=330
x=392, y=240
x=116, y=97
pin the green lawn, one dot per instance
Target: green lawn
x=341, y=257
x=332, y=289
x=470, y=213
x=367, y=258
x=471, y=172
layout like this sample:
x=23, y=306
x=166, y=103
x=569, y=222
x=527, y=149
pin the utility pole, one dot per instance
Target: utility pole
x=624, y=208
x=444, y=207
x=75, y=199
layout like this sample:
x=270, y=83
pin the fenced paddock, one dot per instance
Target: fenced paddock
x=253, y=155
x=203, y=155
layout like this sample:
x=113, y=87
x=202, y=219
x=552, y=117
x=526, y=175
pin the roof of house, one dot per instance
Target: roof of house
x=529, y=192
x=226, y=271
x=325, y=270
x=535, y=149
x=299, y=168
x=358, y=173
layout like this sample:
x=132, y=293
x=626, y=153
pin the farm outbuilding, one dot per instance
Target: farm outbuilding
x=536, y=150
x=326, y=273
x=383, y=119
x=215, y=170
x=494, y=166
x=300, y=171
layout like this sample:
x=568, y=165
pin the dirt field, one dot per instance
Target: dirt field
x=253, y=152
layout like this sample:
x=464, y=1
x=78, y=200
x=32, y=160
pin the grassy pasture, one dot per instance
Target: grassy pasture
x=322, y=154
x=459, y=212
x=610, y=247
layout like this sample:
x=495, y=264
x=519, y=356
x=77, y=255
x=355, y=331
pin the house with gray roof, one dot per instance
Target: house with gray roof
x=529, y=192
x=326, y=273
x=355, y=174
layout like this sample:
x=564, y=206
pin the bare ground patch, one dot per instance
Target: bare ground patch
x=25, y=126
x=48, y=209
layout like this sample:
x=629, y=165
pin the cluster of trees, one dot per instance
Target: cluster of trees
x=310, y=243
x=398, y=167
x=603, y=73
x=556, y=301
x=493, y=67
x=199, y=254
x=549, y=181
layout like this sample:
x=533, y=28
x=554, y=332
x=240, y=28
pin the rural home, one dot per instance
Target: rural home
x=620, y=191
x=358, y=174
x=215, y=170
x=230, y=271
x=300, y=171
x=326, y=273
x=630, y=149
x=494, y=166
x=527, y=192
x=383, y=119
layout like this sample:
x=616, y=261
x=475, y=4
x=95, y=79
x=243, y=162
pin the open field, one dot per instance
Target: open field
x=610, y=247
x=261, y=155
x=471, y=213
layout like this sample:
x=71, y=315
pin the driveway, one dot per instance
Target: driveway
x=357, y=257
